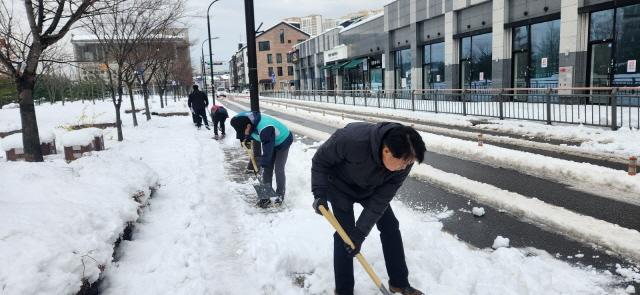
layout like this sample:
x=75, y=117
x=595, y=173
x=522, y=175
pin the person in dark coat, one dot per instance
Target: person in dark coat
x=275, y=138
x=366, y=163
x=218, y=115
x=198, y=103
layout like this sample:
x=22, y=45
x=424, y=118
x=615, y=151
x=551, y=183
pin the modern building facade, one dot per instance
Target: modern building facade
x=423, y=44
x=239, y=69
x=89, y=55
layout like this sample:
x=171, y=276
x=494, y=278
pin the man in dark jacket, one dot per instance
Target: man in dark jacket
x=198, y=103
x=366, y=163
x=218, y=115
x=275, y=138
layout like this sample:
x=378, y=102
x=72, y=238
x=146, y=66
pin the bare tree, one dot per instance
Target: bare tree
x=130, y=79
x=162, y=78
x=44, y=24
x=120, y=32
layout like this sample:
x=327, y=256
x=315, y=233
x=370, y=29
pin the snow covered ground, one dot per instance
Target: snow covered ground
x=202, y=234
x=598, y=139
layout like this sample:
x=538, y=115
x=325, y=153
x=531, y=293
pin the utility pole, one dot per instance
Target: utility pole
x=213, y=81
x=251, y=54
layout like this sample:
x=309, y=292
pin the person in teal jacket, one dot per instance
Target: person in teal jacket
x=275, y=138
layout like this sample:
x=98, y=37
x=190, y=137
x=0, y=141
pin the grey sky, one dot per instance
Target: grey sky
x=227, y=19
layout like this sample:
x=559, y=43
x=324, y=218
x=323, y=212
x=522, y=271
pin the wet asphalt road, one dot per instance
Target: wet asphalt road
x=480, y=232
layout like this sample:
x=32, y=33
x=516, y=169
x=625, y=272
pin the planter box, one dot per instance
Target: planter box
x=72, y=153
x=97, y=125
x=16, y=154
x=98, y=143
x=48, y=148
x=130, y=111
x=171, y=114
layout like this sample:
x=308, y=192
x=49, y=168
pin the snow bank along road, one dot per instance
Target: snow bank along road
x=548, y=145
x=491, y=186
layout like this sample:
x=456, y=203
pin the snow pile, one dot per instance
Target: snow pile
x=10, y=106
x=14, y=141
x=478, y=211
x=500, y=242
x=178, y=107
x=630, y=289
x=80, y=137
x=628, y=273
x=60, y=221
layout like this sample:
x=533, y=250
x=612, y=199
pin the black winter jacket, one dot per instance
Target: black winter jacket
x=198, y=100
x=348, y=169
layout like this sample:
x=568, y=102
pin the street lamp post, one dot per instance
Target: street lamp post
x=213, y=83
x=251, y=54
x=204, y=68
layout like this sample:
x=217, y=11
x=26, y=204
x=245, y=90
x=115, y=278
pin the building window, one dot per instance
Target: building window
x=614, y=47
x=290, y=70
x=433, y=66
x=289, y=41
x=536, y=55
x=282, y=37
x=475, y=61
x=264, y=46
x=279, y=71
x=279, y=58
x=289, y=57
x=269, y=58
x=270, y=72
x=402, y=69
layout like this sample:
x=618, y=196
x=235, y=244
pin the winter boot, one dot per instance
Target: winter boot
x=264, y=203
x=405, y=291
x=278, y=200
x=207, y=126
x=216, y=137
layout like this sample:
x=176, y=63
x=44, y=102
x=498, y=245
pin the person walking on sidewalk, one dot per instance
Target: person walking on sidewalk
x=366, y=163
x=218, y=115
x=275, y=138
x=198, y=103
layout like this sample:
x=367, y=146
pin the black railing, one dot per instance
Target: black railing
x=611, y=107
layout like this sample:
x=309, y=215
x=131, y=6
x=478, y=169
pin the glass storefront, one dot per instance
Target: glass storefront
x=614, y=47
x=536, y=55
x=376, y=73
x=475, y=61
x=433, y=66
x=402, y=70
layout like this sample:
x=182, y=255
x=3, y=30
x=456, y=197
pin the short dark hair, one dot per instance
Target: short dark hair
x=404, y=142
x=195, y=87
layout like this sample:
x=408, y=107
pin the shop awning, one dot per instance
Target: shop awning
x=334, y=66
x=354, y=63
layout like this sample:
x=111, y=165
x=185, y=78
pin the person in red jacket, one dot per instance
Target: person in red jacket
x=218, y=115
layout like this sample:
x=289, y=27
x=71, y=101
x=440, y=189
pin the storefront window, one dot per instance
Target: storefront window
x=433, y=67
x=475, y=61
x=402, y=69
x=535, y=55
x=614, y=47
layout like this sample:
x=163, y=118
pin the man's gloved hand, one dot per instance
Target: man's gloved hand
x=320, y=201
x=357, y=237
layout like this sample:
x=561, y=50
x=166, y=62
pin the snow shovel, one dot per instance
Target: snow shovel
x=263, y=191
x=336, y=225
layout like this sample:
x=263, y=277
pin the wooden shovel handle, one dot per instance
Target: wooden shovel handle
x=336, y=225
x=252, y=157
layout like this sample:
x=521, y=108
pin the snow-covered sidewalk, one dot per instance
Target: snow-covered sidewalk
x=202, y=234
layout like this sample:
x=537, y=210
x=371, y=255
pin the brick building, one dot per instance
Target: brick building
x=275, y=65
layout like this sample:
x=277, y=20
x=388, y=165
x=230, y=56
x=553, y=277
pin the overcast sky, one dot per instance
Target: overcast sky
x=227, y=19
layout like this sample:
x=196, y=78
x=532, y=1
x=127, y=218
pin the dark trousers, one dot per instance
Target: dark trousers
x=217, y=121
x=278, y=161
x=201, y=115
x=392, y=249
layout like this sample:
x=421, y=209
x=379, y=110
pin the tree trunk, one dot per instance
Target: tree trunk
x=117, y=105
x=133, y=106
x=161, y=102
x=30, y=134
x=145, y=93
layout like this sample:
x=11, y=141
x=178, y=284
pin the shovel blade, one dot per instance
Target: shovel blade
x=264, y=191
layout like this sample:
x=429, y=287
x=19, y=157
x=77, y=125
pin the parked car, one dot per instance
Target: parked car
x=221, y=92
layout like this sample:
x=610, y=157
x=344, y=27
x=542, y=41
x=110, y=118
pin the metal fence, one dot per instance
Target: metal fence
x=610, y=107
